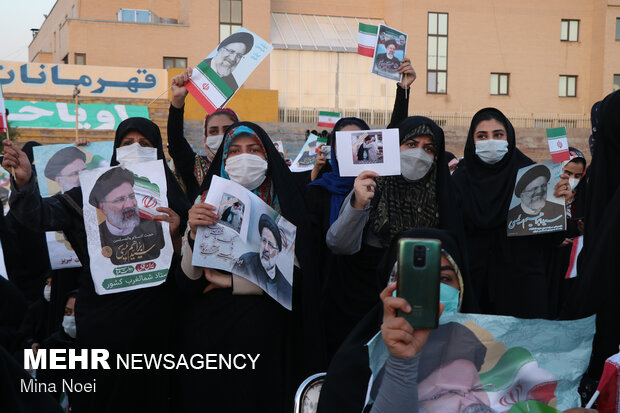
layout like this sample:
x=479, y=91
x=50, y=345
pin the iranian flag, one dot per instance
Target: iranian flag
x=367, y=40
x=558, y=144
x=208, y=88
x=574, y=254
x=328, y=119
x=609, y=386
x=148, y=197
x=516, y=378
x=3, y=123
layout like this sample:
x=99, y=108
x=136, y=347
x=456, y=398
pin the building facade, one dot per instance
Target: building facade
x=535, y=60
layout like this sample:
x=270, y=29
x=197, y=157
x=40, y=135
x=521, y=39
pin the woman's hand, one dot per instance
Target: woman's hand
x=364, y=187
x=201, y=215
x=177, y=84
x=320, y=162
x=17, y=163
x=401, y=339
x=174, y=220
x=216, y=279
x=563, y=189
x=408, y=72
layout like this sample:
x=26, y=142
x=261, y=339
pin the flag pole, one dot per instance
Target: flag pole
x=76, y=92
x=8, y=137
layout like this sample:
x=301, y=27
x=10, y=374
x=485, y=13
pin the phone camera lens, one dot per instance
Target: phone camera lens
x=419, y=256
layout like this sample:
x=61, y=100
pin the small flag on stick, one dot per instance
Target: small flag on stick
x=558, y=144
x=328, y=119
x=367, y=40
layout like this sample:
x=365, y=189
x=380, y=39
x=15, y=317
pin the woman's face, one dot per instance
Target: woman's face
x=447, y=275
x=574, y=170
x=217, y=124
x=490, y=129
x=423, y=141
x=245, y=144
x=134, y=136
x=349, y=128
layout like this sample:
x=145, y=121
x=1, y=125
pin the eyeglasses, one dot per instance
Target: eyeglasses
x=121, y=199
x=235, y=55
x=268, y=243
x=442, y=394
x=539, y=188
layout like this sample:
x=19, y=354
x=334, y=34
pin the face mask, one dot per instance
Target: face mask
x=135, y=153
x=214, y=142
x=573, y=182
x=449, y=296
x=47, y=292
x=415, y=163
x=491, y=151
x=247, y=170
x=68, y=324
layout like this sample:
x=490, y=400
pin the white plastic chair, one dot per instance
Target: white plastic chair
x=307, y=396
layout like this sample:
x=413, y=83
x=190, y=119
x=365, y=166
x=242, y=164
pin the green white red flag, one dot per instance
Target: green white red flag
x=367, y=39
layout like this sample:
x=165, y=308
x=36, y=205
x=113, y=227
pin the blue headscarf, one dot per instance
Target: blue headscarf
x=337, y=185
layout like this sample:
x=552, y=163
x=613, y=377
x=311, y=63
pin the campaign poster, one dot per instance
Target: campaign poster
x=128, y=249
x=250, y=240
x=533, y=208
x=58, y=168
x=216, y=79
x=368, y=150
x=306, y=158
x=486, y=363
x=389, y=53
x=5, y=189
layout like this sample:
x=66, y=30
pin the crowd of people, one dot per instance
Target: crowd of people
x=347, y=230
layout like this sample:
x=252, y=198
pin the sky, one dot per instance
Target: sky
x=17, y=17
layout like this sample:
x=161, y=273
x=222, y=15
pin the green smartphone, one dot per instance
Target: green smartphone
x=419, y=262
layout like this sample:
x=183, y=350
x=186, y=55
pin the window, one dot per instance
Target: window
x=618, y=29
x=134, y=16
x=568, y=86
x=569, y=31
x=616, y=82
x=437, y=54
x=499, y=83
x=80, y=58
x=170, y=62
x=230, y=17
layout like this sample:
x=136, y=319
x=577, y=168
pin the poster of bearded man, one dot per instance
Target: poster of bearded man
x=128, y=249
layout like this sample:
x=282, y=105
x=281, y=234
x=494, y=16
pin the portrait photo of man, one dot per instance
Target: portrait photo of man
x=260, y=267
x=125, y=237
x=232, y=216
x=65, y=166
x=228, y=55
x=387, y=62
x=532, y=190
x=448, y=375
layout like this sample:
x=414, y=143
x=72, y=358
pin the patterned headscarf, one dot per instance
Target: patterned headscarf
x=266, y=190
x=399, y=205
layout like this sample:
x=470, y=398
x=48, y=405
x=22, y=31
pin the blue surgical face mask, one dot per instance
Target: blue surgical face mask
x=449, y=296
x=491, y=151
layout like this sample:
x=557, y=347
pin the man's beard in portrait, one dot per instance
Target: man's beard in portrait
x=129, y=218
x=537, y=201
x=225, y=66
x=66, y=186
x=266, y=260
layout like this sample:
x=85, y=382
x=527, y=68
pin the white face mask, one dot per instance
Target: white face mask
x=247, y=170
x=214, y=142
x=491, y=151
x=68, y=324
x=47, y=293
x=573, y=182
x=415, y=163
x=135, y=153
